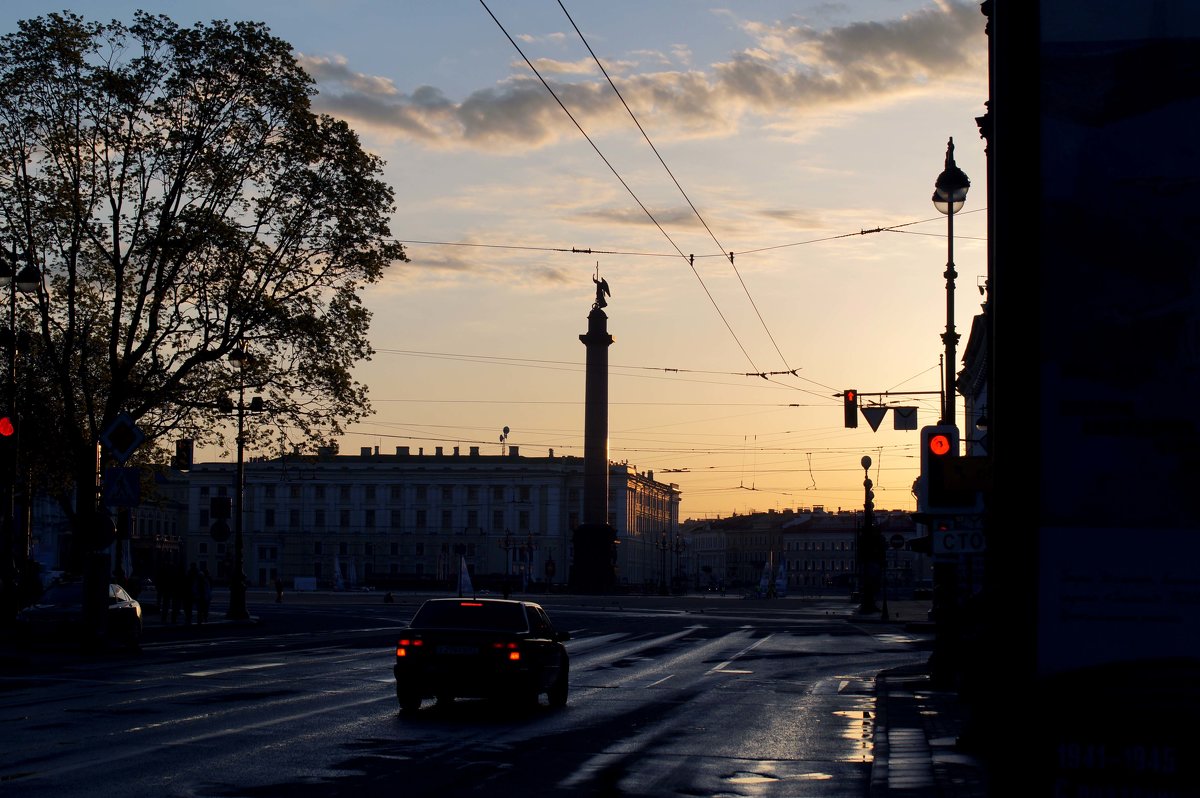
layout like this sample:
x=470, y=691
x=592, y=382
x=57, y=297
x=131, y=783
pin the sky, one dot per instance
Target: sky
x=783, y=132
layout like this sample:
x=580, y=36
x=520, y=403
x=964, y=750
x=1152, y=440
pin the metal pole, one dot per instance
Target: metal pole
x=950, y=337
x=237, y=582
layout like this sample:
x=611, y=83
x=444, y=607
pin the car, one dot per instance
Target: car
x=57, y=617
x=480, y=648
x=147, y=594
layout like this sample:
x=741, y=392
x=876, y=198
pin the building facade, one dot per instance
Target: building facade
x=408, y=519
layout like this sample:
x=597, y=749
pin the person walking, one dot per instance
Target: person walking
x=203, y=595
x=278, y=590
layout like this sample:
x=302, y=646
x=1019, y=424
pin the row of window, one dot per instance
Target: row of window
x=369, y=519
x=395, y=492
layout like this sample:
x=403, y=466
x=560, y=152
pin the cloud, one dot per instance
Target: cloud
x=792, y=72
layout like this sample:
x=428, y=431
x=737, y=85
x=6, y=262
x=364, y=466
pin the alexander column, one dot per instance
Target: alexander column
x=595, y=539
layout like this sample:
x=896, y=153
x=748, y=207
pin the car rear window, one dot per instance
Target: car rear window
x=470, y=615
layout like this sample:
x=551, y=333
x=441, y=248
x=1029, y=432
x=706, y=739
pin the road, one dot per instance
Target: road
x=669, y=696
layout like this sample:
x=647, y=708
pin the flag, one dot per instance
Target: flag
x=464, y=578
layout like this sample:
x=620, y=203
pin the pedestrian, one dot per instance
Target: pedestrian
x=187, y=593
x=278, y=590
x=203, y=594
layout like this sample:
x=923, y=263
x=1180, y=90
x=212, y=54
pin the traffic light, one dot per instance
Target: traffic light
x=943, y=490
x=183, y=454
x=7, y=428
x=850, y=406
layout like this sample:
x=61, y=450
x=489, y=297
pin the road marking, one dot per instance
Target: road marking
x=235, y=669
x=724, y=666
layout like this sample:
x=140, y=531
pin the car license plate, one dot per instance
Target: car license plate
x=458, y=651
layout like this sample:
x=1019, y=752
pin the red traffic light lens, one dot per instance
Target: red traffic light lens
x=939, y=445
x=6, y=427
x=850, y=396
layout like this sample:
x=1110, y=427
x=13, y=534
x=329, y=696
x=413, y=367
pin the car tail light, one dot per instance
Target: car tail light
x=513, y=650
x=405, y=644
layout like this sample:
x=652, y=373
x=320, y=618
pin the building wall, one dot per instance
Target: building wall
x=379, y=519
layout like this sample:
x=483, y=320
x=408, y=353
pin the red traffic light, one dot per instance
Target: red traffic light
x=939, y=445
x=6, y=427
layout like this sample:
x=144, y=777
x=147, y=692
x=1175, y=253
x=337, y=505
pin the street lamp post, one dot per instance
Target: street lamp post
x=866, y=541
x=949, y=195
x=507, y=544
x=237, y=580
x=664, y=545
x=678, y=577
x=16, y=555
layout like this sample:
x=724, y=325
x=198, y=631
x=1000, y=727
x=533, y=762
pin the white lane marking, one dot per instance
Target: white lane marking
x=724, y=666
x=235, y=669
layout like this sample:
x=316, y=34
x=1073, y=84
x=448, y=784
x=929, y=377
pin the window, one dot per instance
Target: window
x=472, y=493
x=294, y=491
x=394, y=549
x=420, y=550
x=344, y=493
x=523, y=520
x=203, y=547
x=447, y=520
x=497, y=519
x=397, y=519
x=397, y=492
x=447, y=493
x=344, y=518
x=421, y=493
x=472, y=519
x=204, y=490
x=524, y=493
x=204, y=518
x=497, y=493
x=317, y=548
x=343, y=549
x=294, y=519
x=420, y=519
x=319, y=518
x=316, y=570
x=370, y=491
x=369, y=519
x=269, y=491
x=319, y=491
x=269, y=517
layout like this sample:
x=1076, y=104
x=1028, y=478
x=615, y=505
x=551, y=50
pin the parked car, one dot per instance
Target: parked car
x=146, y=593
x=57, y=617
x=480, y=648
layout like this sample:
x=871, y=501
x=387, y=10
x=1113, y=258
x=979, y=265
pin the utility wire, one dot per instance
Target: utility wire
x=622, y=181
x=671, y=174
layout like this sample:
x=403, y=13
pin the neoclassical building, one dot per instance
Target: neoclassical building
x=404, y=519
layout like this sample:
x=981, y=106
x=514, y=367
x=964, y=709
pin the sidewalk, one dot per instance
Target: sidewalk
x=917, y=727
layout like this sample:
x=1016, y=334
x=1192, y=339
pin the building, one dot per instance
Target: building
x=408, y=519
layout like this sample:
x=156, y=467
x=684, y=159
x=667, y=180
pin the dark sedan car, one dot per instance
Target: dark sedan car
x=57, y=617
x=480, y=648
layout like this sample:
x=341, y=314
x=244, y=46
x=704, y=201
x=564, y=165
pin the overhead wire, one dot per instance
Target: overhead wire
x=620, y=179
x=674, y=180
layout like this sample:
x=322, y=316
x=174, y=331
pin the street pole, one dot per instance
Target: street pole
x=237, y=582
x=949, y=194
x=866, y=544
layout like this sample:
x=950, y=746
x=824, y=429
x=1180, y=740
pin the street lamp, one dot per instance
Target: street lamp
x=240, y=360
x=678, y=577
x=664, y=545
x=949, y=195
x=866, y=547
x=507, y=544
x=24, y=281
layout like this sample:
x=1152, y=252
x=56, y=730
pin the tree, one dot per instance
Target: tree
x=181, y=201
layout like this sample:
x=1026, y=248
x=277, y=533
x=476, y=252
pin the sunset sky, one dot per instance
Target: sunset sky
x=792, y=128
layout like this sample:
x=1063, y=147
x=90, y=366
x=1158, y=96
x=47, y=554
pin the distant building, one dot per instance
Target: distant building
x=406, y=519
